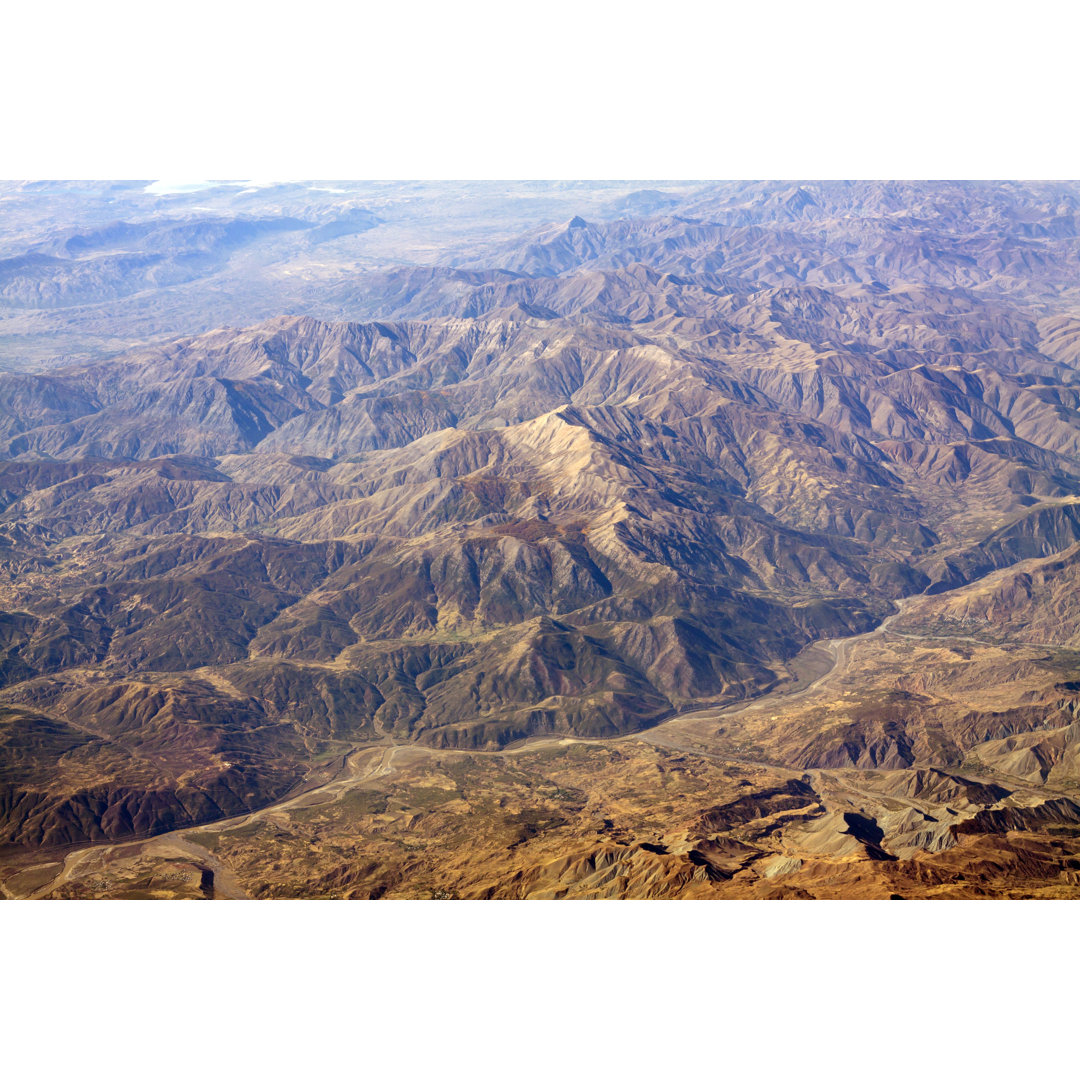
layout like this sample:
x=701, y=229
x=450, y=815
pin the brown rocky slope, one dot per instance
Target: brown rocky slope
x=605, y=474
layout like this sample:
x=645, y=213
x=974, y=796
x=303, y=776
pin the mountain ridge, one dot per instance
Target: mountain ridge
x=583, y=480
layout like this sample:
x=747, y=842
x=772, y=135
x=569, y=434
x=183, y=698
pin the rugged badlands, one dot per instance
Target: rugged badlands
x=724, y=542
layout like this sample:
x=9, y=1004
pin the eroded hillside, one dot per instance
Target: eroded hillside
x=606, y=480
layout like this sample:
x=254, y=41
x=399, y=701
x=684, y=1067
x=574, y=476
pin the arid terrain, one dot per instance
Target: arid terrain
x=539, y=541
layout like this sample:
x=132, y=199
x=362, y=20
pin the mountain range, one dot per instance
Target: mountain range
x=769, y=492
